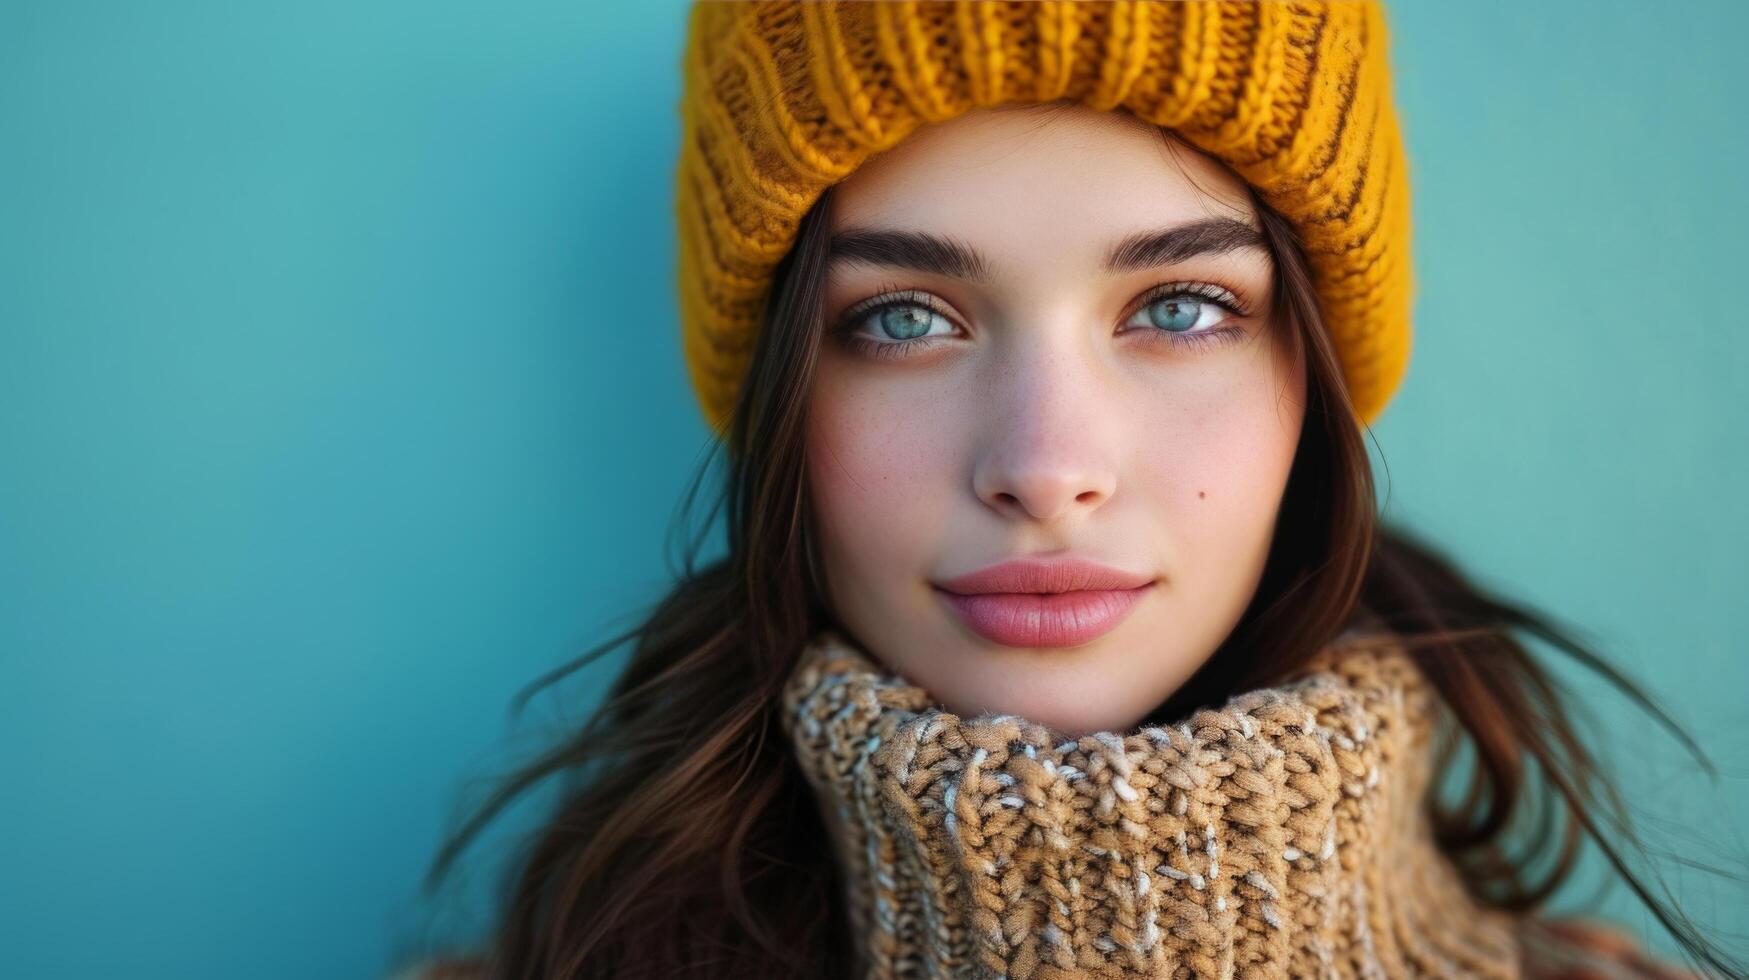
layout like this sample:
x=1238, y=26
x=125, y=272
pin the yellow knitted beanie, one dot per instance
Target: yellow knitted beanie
x=783, y=99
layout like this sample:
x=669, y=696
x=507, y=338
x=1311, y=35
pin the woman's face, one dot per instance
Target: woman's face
x=1047, y=345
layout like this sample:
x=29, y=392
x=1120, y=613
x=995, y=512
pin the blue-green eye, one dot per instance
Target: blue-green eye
x=894, y=323
x=905, y=321
x=1184, y=314
x=1177, y=314
x=1183, y=308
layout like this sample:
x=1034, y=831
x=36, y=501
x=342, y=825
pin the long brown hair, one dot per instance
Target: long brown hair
x=690, y=844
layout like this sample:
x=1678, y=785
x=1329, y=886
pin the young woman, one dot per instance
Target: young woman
x=1057, y=635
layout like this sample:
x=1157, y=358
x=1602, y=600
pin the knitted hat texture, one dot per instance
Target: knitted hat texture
x=783, y=99
x=1281, y=834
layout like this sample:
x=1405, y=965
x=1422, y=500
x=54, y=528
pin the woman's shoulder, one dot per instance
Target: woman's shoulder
x=1587, y=949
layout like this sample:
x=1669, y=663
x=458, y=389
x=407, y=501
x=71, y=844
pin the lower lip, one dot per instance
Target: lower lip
x=1033, y=619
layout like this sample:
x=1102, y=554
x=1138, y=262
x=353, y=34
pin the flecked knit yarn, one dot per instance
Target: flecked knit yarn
x=1280, y=835
x=783, y=99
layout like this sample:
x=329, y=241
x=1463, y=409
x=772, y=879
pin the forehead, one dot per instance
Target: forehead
x=1072, y=174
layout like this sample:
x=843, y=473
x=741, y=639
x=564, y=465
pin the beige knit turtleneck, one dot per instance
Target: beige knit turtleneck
x=1281, y=835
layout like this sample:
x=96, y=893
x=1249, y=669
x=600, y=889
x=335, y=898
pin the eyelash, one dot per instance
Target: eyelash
x=891, y=296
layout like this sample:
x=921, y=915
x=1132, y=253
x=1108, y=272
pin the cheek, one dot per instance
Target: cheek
x=880, y=485
x=1219, y=478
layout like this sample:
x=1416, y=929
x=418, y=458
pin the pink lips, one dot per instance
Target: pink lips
x=1044, y=602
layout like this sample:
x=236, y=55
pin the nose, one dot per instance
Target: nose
x=1048, y=451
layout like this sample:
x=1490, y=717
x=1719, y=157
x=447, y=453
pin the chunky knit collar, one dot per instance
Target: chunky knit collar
x=1280, y=835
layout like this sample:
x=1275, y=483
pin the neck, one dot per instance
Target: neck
x=1282, y=834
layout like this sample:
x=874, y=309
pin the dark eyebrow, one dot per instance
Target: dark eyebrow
x=917, y=250
x=1211, y=236
x=944, y=256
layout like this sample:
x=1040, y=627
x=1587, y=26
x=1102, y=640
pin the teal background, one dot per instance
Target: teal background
x=340, y=396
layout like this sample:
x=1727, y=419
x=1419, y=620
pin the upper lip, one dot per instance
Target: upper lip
x=1045, y=575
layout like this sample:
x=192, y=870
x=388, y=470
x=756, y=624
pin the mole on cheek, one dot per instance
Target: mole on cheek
x=1201, y=494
